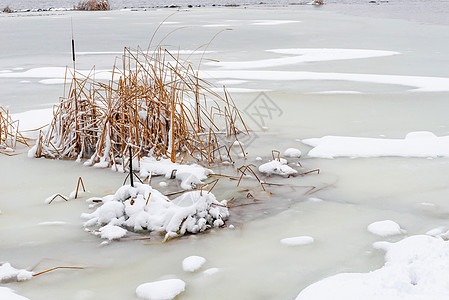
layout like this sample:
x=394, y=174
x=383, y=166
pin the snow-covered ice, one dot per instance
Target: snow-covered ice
x=161, y=290
x=302, y=56
x=193, y=263
x=415, y=144
x=298, y=240
x=8, y=294
x=292, y=152
x=385, y=228
x=277, y=167
x=416, y=268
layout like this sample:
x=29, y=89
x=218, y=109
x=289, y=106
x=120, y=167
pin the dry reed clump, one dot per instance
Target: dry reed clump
x=93, y=5
x=9, y=133
x=155, y=103
x=7, y=10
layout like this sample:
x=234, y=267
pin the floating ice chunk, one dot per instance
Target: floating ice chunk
x=277, y=167
x=211, y=271
x=193, y=263
x=385, y=228
x=297, y=241
x=112, y=232
x=9, y=273
x=161, y=290
x=8, y=294
x=292, y=152
x=415, y=144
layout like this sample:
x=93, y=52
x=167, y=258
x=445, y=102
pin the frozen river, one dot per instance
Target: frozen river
x=322, y=72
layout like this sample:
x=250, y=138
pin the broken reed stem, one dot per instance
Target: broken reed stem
x=56, y=268
x=57, y=195
x=9, y=133
x=80, y=180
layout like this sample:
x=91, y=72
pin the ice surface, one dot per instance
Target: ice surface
x=193, y=263
x=415, y=144
x=297, y=241
x=385, y=228
x=161, y=290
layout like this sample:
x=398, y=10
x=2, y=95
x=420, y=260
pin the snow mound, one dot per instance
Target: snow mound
x=416, y=268
x=415, y=144
x=385, y=228
x=161, y=290
x=112, y=232
x=9, y=273
x=297, y=241
x=8, y=294
x=292, y=152
x=189, y=175
x=211, y=271
x=277, y=167
x=193, y=263
x=143, y=208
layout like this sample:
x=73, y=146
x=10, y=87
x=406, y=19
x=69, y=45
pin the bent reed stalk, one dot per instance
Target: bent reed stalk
x=155, y=103
x=9, y=133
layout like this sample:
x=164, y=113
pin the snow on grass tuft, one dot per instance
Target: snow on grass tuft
x=292, y=152
x=385, y=228
x=193, y=263
x=161, y=290
x=416, y=268
x=9, y=273
x=415, y=144
x=298, y=241
x=8, y=294
x=144, y=208
x=277, y=167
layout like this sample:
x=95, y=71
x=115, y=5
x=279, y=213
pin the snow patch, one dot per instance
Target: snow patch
x=161, y=290
x=277, y=167
x=298, y=241
x=193, y=263
x=9, y=273
x=415, y=144
x=8, y=294
x=385, y=228
x=292, y=152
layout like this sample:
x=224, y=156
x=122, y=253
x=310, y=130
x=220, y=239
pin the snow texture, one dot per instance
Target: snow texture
x=8, y=294
x=9, y=273
x=292, y=152
x=193, y=263
x=298, y=241
x=415, y=144
x=189, y=175
x=277, y=167
x=416, y=268
x=161, y=290
x=385, y=228
x=143, y=208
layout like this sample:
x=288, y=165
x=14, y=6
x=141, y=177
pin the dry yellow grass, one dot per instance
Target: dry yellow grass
x=93, y=5
x=154, y=103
